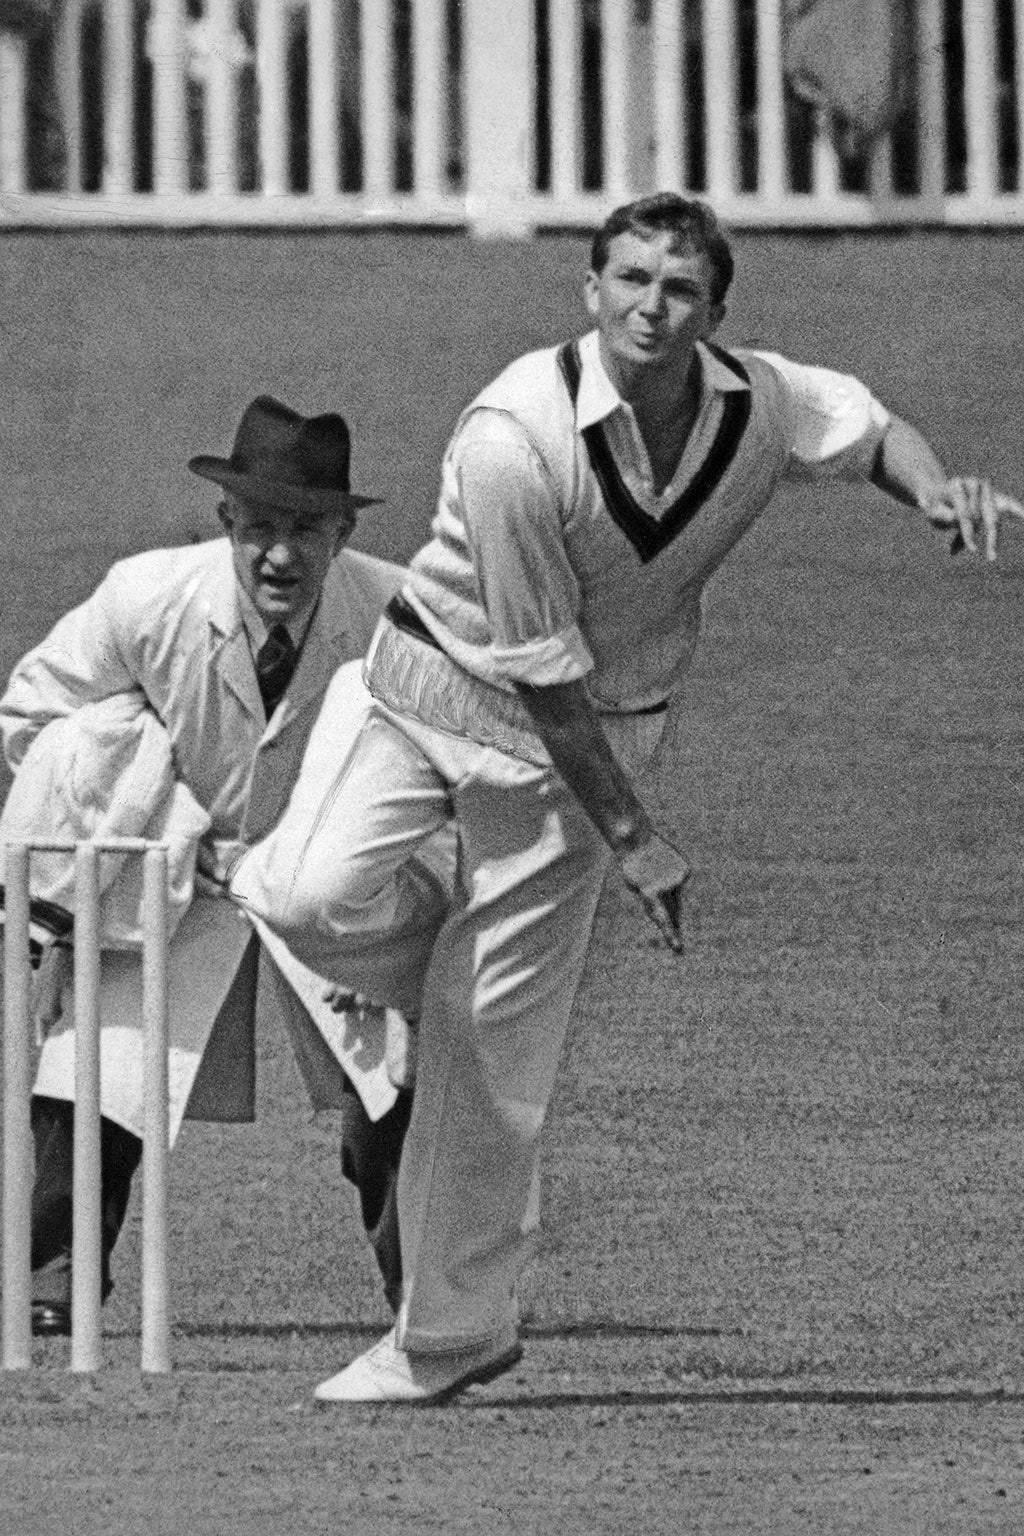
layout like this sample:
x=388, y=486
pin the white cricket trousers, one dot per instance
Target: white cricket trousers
x=496, y=988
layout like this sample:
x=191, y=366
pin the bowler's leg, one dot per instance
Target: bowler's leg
x=496, y=1009
x=350, y=894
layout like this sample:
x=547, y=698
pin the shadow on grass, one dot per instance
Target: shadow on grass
x=755, y=1396
x=693, y=1391
x=351, y=1330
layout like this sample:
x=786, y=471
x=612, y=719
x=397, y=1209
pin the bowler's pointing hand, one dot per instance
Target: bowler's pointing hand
x=971, y=506
x=657, y=873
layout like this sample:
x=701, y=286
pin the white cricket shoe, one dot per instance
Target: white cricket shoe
x=387, y=1374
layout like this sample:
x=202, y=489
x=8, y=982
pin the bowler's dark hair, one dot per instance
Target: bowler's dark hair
x=692, y=224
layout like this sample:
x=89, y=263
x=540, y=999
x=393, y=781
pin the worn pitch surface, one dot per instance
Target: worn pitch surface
x=780, y=1285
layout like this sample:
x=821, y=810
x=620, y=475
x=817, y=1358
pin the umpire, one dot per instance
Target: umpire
x=224, y=652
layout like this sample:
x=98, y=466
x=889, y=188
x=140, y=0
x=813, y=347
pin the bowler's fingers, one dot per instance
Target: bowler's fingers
x=988, y=517
x=1007, y=506
x=965, y=506
x=971, y=506
x=986, y=507
x=664, y=908
x=951, y=509
x=657, y=872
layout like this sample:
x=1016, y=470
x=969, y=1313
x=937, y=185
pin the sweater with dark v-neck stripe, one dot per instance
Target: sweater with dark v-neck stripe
x=625, y=588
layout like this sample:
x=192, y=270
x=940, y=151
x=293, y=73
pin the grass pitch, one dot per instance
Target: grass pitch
x=780, y=1284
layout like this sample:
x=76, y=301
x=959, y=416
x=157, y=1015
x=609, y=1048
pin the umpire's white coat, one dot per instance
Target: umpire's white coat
x=165, y=626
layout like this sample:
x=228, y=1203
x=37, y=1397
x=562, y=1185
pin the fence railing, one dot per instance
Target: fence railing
x=496, y=115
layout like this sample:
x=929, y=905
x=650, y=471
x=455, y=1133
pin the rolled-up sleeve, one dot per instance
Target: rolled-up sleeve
x=513, y=529
x=836, y=422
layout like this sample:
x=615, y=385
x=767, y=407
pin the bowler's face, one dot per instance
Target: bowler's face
x=652, y=302
x=281, y=558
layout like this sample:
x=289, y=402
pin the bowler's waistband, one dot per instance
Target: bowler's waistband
x=411, y=674
x=404, y=616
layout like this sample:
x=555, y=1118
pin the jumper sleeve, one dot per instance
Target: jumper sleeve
x=496, y=585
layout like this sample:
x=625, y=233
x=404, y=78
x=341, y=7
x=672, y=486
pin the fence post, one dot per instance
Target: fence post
x=68, y=66
x=221, y=99
x=13, y=91
x=119, y=87
x=616, y=115
x=931, y=105
x=668, y=36
x=564, y=96
x=1018, y=72
x=324, y=137
x=979, y=99
x=377, y=97
x=824, y=159
x=720, y=97
x=772, y=153
x=500, y=59
x=880, y=178
x=170, y=134
x=271, y=21
x=429, y=103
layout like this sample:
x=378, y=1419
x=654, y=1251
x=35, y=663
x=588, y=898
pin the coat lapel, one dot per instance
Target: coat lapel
x=228, y=644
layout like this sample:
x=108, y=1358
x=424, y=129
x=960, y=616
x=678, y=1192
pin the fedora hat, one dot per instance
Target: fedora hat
x=298, y=463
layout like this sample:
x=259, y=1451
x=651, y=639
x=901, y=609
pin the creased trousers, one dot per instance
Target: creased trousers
x=495, y=989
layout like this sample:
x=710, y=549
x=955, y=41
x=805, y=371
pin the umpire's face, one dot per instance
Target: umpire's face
x=652, y=303
x=281, y=558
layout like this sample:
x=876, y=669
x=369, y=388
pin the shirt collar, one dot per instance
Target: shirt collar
x=598, y=397
x=256, y=630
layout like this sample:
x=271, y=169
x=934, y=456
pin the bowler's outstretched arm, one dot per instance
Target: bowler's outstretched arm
x=907, y=468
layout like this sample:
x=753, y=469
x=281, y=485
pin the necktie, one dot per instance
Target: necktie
x=275, y=665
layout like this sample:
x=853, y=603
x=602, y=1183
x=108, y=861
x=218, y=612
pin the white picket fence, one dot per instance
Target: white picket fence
x=500, y=116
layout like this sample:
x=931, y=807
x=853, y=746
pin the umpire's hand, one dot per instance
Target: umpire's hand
x=657, y=873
